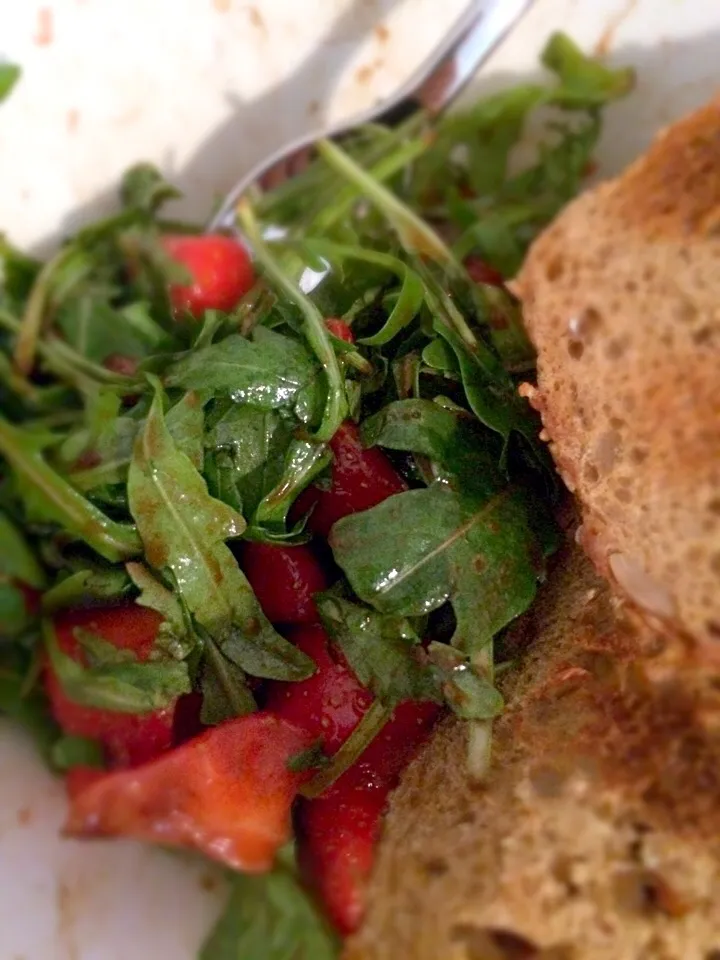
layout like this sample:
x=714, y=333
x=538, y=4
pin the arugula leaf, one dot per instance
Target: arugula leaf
x=270, y=917
x=304, y=460
x=416, y=235
x=114, y=445
x=369, y=727
x=501, y=233
x=115, y=682
x=256, y=442
x=455, y=441
x=102, y=406
x=50, y=498
x=464, y=175
x=69, y=751
x=314, y=329
x=383, y=651
x=97, y=331
x=469, y=694
x=221, y=478
x=22, y=704
x=438, y=355
x=14, y=615
x=9, y=76
x=60, y=276
x=269, y=371
x=409, y=297
x=585, y=82
x=175, y=635
x=472, y=147
x=467, y=538
x=145, y=189
x=413, y=552
x=17, y=561
x=110, y=453
x=184, y=530
x=84, y=586
x=493, y=399
x=225, y=693
x=185, y=422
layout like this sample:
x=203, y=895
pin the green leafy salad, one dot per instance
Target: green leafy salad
x=265, y=516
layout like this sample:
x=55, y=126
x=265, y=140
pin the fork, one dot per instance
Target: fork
x=432, y=88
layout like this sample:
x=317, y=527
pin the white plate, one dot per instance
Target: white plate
x=205, y=87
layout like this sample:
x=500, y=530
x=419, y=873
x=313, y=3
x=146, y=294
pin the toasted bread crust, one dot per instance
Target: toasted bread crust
x=621, y=296
x=597, y=835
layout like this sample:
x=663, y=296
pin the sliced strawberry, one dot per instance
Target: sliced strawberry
x=330, y=703
x=284, y=580
x=338, y=831
x=361, y=477
x=226, y=793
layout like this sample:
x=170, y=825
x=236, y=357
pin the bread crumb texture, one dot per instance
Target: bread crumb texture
x=597, y=834
x=622, y=300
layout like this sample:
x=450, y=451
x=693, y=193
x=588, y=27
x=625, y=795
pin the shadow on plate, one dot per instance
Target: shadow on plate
x=675, y=77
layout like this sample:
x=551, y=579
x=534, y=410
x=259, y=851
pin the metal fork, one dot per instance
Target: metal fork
x=433, y=87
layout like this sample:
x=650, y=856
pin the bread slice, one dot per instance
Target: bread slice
x=597, y=835
x=621, y=297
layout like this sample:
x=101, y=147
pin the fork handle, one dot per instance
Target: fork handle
x=432, y=87
x=446, y=72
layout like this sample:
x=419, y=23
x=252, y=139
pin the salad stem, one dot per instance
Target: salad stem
x=480, y=732
x=364, y=733
x=386, y=168
x=69, y=365
x=59, y=501
x=31, y=324
x=315, y=329
x=443, y=307
x=414, y=233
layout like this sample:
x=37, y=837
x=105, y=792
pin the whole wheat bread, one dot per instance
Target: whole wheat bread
x=597, y=836
x=621, y=296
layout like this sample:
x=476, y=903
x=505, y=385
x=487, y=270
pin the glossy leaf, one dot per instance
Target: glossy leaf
x=415, y=551
x=304, y=460
x=184, y=531
x=383, y=651
x=462, y=451
x=409, y=296
x=269, y=371
x=314, y=329
x=256, y=442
